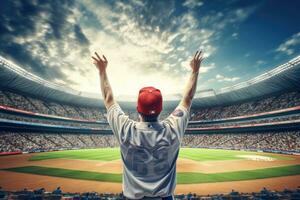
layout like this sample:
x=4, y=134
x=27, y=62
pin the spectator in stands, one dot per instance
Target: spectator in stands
x=57, y=191
x=234, y=195
x=2, y=193
x=274, y=102
x=40, y=191
x=287, y=141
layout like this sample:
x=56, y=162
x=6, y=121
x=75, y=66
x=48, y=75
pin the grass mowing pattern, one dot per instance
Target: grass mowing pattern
x=68, y=173
x=104, y=154
x=200, y=154
x=182, y=178
x=190, y=177
x=109, y=154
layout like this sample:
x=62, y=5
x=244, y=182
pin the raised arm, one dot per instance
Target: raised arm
x=101, y=64
x=191, y=86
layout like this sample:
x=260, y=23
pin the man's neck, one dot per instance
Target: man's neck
x=142, y=120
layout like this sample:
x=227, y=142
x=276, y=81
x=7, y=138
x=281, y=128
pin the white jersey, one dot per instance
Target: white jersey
x=149, y=151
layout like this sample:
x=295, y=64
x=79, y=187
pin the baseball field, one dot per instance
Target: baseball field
x=203, y=171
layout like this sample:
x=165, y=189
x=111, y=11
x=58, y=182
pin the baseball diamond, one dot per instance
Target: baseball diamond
x=149, y=100
x=195, y=166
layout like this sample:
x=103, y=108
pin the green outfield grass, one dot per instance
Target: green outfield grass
x=104, y=154
x=199, y=154
x=108, y=154
x=182, y=178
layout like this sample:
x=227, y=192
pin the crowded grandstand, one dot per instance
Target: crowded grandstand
x=260, y=114
x=58, y=193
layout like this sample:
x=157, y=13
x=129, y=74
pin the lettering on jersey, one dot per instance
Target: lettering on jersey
x=177, y=113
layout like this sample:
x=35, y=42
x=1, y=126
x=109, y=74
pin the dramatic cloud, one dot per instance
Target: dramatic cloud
x=289, y=46
x=146, y=42
x=221, y=78
x=192, y=3
x=43, y=37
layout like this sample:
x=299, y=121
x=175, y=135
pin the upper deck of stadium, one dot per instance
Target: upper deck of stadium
x=282, y=77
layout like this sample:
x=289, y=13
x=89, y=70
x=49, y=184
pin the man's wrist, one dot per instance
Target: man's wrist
x=102, y=72
x=195, y=72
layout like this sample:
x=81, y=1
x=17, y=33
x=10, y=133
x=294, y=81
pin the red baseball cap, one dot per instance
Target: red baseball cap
x=149, y=101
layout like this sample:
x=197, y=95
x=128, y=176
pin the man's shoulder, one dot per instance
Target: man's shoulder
x=114, y=106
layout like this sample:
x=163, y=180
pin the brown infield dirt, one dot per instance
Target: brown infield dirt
x=17, y=181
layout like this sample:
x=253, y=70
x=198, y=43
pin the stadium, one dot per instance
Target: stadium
x=244, y=137
x=188, y=100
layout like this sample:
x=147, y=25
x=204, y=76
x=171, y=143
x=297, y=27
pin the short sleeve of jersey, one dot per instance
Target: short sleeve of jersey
x=119, y=122
x=178, y=121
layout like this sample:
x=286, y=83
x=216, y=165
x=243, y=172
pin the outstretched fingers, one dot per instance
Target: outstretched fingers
x=98, y=56
x=199, y=55
x=195, y=54
x=95, y=59
x=104, y=58
x=99, y=59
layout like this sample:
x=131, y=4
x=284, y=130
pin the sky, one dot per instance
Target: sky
x=149, y=43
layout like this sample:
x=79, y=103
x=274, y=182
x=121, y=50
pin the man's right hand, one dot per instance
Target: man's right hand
x=191, y=86
x=196, y=61
x=101, y=63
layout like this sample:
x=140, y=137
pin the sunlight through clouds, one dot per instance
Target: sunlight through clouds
x=146, y=42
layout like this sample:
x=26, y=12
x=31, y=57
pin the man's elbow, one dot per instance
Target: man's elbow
x=109, y=101
x=186, y=102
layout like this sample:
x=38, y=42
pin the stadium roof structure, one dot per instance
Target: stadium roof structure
x=283, y=77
